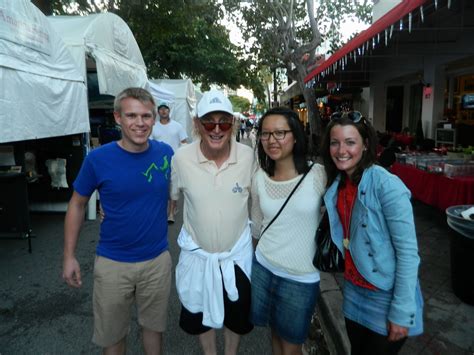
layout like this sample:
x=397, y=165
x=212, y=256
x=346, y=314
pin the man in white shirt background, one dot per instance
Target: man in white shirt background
x=171, y=132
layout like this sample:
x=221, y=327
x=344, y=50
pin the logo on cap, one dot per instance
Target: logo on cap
x=215, y=100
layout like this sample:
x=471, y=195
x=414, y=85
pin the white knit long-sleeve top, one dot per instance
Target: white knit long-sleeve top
x=288, y=244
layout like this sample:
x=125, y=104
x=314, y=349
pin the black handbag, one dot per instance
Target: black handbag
x=328, y=257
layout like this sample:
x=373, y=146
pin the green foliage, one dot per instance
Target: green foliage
x=276, y=29
x=240, y=104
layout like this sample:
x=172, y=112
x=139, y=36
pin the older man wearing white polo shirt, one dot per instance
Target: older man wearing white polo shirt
x=213, y=274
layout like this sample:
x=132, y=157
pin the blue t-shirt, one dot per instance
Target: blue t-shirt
x=134, y=191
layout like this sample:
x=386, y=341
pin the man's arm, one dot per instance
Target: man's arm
x=72, y=226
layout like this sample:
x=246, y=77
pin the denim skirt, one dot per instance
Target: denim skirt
x=285, y=305
x=370, y=308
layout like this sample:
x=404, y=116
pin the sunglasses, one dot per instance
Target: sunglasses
x=210, y=126
x=354, y=116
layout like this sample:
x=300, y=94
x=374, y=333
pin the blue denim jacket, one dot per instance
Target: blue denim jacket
x=382, y=238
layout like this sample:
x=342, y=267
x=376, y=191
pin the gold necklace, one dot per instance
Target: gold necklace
x=347, y=219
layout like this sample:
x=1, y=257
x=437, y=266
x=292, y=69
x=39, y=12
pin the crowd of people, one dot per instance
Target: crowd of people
x=249, y=221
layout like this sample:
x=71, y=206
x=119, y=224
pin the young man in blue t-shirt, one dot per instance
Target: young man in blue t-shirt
x=133, y=263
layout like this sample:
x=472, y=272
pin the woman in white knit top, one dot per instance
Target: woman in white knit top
x=285, y=284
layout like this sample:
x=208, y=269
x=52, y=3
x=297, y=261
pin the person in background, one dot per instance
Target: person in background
x=248, y=127
x=213, y=273
x=132, y=264
x=371, y=219
x=171, y=132
x=285, y=284
x=242, y=128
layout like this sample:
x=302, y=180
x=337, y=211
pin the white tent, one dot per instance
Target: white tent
x=42, y=94
x=110, y=42
x=184, y=106
x=161, y=95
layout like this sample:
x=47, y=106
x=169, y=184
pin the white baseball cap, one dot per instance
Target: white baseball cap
x=212, y=101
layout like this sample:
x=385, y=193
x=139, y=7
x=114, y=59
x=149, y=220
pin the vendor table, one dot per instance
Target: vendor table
x=435, y=189
x=14, y=210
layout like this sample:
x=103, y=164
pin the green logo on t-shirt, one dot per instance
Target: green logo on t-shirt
x=163, y=168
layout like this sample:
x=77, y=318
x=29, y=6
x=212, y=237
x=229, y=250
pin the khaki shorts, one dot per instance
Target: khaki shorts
x=117, y=285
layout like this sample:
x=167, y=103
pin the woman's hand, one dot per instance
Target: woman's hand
x=396, y=332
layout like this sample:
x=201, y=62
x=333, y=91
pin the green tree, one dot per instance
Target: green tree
x=240, y=104
x=286, y=34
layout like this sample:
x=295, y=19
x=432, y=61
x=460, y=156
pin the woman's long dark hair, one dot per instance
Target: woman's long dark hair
x=299, y=149
x=369, y=156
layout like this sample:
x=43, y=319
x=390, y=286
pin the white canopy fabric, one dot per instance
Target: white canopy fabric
x=184, y=106
x=109, y=40
x=42, y=94
x=161, y=95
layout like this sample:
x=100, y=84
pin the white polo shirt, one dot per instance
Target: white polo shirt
x=215, y=209
x=171, y=133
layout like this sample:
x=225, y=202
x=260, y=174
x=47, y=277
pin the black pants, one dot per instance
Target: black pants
x=237, y=314
x=366, y=342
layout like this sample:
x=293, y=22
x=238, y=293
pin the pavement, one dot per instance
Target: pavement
x=40, y=315
x=448, y=322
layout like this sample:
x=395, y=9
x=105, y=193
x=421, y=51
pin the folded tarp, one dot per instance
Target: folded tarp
x=42, y=93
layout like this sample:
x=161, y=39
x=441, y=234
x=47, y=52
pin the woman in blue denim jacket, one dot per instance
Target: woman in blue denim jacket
x=371, y=221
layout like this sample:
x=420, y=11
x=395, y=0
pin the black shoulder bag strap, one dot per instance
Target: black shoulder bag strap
x=287, y=199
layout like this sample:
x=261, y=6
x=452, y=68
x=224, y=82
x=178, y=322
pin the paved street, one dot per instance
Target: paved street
x=40, y=315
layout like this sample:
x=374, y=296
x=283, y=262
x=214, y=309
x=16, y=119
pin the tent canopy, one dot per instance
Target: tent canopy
x=161, y=95
x=42, y=94
x=109, y=40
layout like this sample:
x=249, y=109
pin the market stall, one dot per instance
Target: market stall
x=43, y=97
x=104, y=44
x=107, y=54
x=437, y=189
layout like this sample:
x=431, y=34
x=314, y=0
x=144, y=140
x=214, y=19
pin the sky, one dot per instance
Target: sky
x=348, y=28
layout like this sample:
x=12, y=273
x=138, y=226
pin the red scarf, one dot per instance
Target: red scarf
x=346, y=197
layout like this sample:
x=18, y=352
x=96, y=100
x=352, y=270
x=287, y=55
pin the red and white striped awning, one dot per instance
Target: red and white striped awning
x=400, y=18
